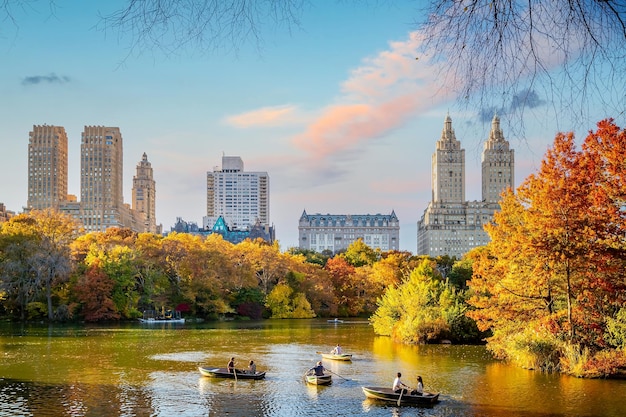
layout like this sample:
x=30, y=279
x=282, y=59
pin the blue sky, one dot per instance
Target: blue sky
x=337, y=111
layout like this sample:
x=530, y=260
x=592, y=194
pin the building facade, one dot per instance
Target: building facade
x=5, y=215
x=335, y=232
x=144, y=193
x=47, y=167
x=101, y=178
x=450, y=225
x=241, y=198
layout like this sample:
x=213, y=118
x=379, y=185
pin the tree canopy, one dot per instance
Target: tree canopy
x=553, y=273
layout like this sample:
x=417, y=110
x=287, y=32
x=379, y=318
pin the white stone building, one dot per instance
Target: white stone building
x=335, y=232
x=241, y=198
x=450, y=225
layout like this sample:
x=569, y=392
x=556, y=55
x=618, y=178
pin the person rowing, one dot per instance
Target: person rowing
x=399, y=386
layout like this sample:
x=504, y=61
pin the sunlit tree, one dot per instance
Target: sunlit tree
x=41, y=259
x=555, y=263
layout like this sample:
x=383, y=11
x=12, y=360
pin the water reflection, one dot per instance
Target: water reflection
x=133, y=371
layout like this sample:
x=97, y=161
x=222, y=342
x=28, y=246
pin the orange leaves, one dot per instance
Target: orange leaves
x=557, y=245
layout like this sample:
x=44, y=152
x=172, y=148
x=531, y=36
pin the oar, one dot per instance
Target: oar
x=400, y=397
x=337, y=374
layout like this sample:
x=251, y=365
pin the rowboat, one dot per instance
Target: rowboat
x=387, y=394
x=225, y=373
x=313, y=379
x=335, y=320
x=163, y=316
x=161, y=321
x=337, y=357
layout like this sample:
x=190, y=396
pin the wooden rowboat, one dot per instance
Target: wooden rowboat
x=387, y=394
x=313, y=379
x=224, y=373
x=335, y=357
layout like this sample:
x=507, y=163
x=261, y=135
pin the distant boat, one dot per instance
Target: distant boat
x=337, y=357
x=335, y=320
x=158, y=321
x=225, y=373
x=387, y=394
x=163, y=316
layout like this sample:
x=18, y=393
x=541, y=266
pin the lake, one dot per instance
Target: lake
x=151, y=370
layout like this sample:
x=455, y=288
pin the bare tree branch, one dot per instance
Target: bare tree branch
x=571, y=50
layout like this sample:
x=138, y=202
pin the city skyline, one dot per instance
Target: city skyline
x=341, y=115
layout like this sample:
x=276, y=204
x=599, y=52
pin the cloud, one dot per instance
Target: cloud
x=50, y=79
x=528, y=99
x=379, y=96
x=525, y=99
x=266, y=116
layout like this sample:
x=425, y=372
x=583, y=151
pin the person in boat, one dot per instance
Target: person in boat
x=399, y=386
x=336, y=350
x=318, y=369
x=252, y=367
x=231, y=365
x=419, y=390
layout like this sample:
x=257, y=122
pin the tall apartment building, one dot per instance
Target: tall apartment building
x=101, y=178
x=241, y=198
x=47, y=167
x=101, y=202
x=450, y=225
x=335, y=232
x=144, y=193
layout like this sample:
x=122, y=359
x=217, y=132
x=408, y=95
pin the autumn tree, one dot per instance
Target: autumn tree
x=265, y=260
x=554, y=269
x=94, y=290
x=285, y=303
x=359, y=254
x=41, y=258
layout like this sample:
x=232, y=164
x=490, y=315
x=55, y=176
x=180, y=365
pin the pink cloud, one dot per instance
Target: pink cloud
x=378, y=97
x=266, y=116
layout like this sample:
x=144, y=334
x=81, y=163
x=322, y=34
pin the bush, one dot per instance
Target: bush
x=36, y=311
x=616, y=330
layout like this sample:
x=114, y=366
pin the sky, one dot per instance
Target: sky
x=337, y=111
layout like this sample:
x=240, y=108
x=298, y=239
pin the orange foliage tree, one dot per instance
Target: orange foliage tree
x=554, y=269
x=94, y=291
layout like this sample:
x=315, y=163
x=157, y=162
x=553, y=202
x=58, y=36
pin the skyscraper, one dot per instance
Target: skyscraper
x=101, y=175
x=241, y=198
x=450, y=225
x=498, y=163
x=47, y=167
x=144, y=193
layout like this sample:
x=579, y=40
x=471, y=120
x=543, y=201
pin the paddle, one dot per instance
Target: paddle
x=337, y=374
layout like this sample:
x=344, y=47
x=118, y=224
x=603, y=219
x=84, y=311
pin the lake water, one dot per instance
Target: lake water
x=151, y=370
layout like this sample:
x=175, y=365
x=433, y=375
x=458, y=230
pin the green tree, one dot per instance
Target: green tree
x=41, y=259
x=423, y=308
